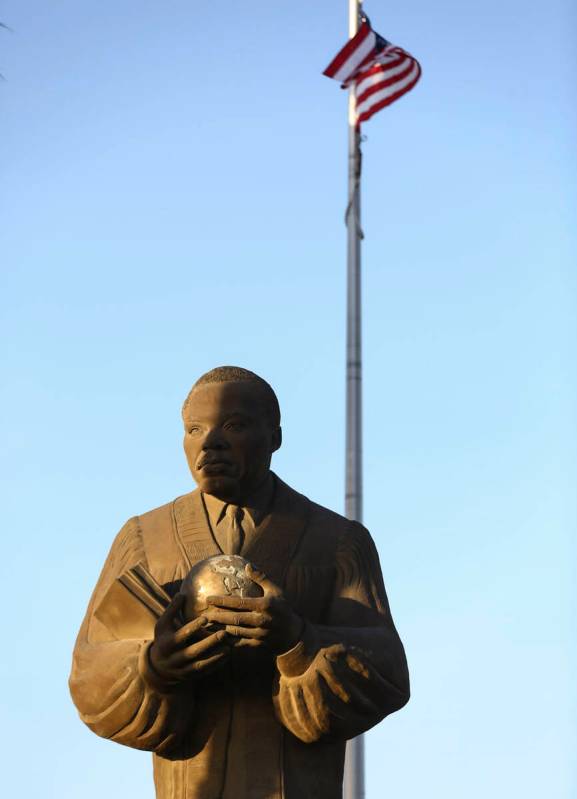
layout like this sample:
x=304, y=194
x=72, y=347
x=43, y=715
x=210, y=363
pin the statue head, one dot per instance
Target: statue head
x=231, y=429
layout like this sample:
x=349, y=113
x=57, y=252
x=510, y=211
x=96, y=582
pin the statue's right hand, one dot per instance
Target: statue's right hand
x=176, y=654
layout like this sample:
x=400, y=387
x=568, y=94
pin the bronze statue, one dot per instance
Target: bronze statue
x=250, y=693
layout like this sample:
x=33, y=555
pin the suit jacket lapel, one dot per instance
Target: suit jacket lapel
x=192, y=528
x=279, y=534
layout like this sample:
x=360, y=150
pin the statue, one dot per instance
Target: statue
x=241, y=633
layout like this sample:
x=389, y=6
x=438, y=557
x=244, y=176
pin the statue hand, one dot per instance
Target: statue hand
x=176, y=654
x=257, y=621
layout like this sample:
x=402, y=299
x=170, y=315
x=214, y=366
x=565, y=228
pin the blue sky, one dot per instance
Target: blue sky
x=172, y=196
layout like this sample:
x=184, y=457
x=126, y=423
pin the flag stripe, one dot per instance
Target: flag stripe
x=347, y=50
x=367, y=60
x=358, y=59
x=388, y=95
x=367, y=78
x=381, y=80
x=386, y=91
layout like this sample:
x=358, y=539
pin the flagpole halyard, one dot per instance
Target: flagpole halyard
x=354, y=779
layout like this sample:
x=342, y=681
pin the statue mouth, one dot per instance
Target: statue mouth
x=216, y=467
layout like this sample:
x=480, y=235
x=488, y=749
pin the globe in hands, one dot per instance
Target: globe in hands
x=220, y=575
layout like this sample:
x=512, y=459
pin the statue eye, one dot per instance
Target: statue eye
x=193, y=430
x=236, y=427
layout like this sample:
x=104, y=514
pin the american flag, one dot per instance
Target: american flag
x=379, y=71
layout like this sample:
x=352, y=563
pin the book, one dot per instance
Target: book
x=133, y=604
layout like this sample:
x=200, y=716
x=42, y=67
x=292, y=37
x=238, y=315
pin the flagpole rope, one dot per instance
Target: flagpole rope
x=353, y=206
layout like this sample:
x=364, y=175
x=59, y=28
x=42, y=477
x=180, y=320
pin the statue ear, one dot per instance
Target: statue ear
x=276, y=439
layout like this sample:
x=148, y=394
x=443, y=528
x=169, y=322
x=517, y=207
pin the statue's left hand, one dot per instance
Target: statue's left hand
x=257, y=621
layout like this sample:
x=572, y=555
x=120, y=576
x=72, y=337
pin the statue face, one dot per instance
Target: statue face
x=228, y=439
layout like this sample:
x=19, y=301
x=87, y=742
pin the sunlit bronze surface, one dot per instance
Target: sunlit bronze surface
x=257, y=711
x=222, y=575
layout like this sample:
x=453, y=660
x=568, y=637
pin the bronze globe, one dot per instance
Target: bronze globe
x=221, y=575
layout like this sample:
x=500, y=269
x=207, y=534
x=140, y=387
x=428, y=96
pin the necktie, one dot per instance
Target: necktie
x=234, y=532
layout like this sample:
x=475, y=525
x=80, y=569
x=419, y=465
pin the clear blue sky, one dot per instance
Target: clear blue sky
x=173, y=182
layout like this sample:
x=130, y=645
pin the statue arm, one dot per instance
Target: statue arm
x=111, y=682
x=344, y=677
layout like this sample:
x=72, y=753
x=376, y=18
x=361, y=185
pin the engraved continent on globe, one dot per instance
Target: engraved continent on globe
x=220, y=575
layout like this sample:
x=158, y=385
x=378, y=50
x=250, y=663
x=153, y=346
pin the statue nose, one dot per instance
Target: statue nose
x=214, y=440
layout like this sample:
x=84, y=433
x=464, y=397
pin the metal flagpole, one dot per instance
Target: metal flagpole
x=354, y=778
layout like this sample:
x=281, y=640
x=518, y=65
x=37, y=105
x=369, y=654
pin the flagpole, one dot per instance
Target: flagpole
x=354, y=777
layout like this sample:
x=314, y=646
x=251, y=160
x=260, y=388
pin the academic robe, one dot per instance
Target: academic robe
x=260, y=727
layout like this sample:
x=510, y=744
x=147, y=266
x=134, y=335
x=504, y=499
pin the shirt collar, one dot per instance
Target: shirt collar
x=257, y=505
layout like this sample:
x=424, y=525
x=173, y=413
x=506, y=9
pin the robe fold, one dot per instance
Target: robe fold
x=260, y=727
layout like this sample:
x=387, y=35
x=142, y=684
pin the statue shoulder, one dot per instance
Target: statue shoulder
x=329, y=518
x=162, y=514
x=160, y=541
x=347, y=534
x=327, y=522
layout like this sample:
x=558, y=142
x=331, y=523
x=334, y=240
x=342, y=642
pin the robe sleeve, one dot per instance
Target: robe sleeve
x=344, y=677
x=112, y=684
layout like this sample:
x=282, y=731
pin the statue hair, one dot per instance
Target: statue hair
x=236, y=374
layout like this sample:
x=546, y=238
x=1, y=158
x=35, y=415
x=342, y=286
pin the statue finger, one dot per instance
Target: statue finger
x=245, y=618
x=359, y=699
x=206, y=665
x=187, y=630
x=200, y=648
x=335, y=686
x=260, y=633
x=239, y=602
x=261, y=579
x=249, y=643
x=166, y=622
x=315, y=703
